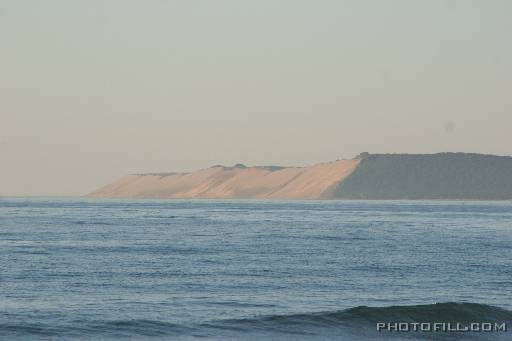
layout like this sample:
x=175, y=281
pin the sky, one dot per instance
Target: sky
x=91, y=90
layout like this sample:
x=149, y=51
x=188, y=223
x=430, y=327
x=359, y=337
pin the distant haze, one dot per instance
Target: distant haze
x=91, y=90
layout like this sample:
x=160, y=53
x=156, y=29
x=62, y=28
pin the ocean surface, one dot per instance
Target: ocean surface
x=251, y=270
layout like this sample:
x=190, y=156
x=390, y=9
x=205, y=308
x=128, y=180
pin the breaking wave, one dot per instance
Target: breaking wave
x=359, y=322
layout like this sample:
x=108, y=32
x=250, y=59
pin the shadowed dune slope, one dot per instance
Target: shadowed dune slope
x=313, y=182
x=459, y=176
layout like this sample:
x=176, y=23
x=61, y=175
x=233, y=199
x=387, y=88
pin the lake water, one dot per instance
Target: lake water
x=250, y=270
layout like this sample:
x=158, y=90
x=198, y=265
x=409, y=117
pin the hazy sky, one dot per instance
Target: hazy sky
x=92, y=90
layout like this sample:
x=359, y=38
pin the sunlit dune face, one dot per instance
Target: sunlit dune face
x=313, y=182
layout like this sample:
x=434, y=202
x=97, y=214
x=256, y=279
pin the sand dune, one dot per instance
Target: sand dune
x=459, y=176
x=313, y=182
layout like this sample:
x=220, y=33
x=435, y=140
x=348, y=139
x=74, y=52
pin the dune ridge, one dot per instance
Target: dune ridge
x=440, y=176
x=313, y=182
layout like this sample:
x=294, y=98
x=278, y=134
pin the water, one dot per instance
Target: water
x=250, y=270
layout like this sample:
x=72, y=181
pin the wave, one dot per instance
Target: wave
x=142, y=327
x=357, y=322
x=100, y=329
x=438, y=312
